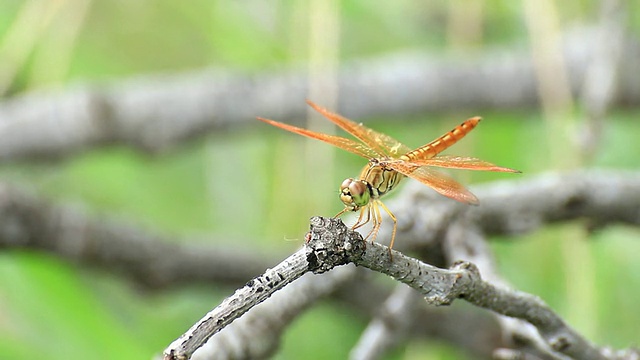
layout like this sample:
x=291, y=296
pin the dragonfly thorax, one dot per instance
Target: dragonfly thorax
x=355, y=193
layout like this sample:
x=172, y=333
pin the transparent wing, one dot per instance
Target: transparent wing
x=460, y=162
x=383, y=145
x=343, y=143
x=436, y=180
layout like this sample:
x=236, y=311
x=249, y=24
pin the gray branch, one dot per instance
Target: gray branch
x=465, y=241
x=516, y=207
x=27, y=221
x=331, y=244
x=253, y=293
x=257, y=334
x=392, y=324
x=507, y=208
x=154, y=113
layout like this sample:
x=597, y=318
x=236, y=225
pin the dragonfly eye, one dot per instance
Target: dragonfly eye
x=354, y=193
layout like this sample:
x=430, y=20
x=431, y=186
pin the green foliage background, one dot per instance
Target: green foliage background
x=57, y=310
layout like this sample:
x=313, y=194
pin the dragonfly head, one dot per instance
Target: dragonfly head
x=355, y=193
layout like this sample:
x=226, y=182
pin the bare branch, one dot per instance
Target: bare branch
x=507, y=208
x=331, y=244
x=255, y=292
x=465, y=241
x=601, y=197
x=70, y=233
x=441, y=287
x=156, y=112
x=257, y=334
x=394, y=322
x=334, y=248
x=452, y=325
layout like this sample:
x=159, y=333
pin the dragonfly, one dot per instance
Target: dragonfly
x=390, y=161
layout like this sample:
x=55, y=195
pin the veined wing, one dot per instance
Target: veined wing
x=460, y=162
x=384, y=145
x=436, y=180
x=343, y=143
x=438, y=145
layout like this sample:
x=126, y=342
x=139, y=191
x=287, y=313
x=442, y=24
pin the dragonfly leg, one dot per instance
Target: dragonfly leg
x=377, y=221
x=395, y=224
x=370, y=209
x=360, y=223
x=341, y=212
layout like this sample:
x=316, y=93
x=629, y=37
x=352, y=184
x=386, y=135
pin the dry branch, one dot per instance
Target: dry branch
x=148, y=259
x=157, y=112
x=392, y=325
x=599, y=197
x=331, y=244
x=257, y=334
x=507, y=208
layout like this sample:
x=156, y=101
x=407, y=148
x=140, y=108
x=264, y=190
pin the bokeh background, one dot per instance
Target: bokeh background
x=252, y=187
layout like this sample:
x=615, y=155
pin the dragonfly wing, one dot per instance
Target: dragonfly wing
x=460, y=162
x=383, y=144
x=436, y=180
x=343, y=143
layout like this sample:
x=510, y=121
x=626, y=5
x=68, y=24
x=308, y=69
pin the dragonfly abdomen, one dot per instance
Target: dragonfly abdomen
x=440, y=144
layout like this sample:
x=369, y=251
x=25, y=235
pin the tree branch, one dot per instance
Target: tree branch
x=600, y=197
x=70, y=233
x=507, y=208
x=331, y=244
x=393, y=324
x=257, y=334
x=154, y=113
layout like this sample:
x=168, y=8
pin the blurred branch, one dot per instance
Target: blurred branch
x=425, y=218
x=387, y=312
x=153, y=261
x=507, y=208
x=149, y=260
x=465, y=241
x=154, y=113
x=393, y=324
x=599, y=197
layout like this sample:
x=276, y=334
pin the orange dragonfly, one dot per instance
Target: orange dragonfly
x=389, y=162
